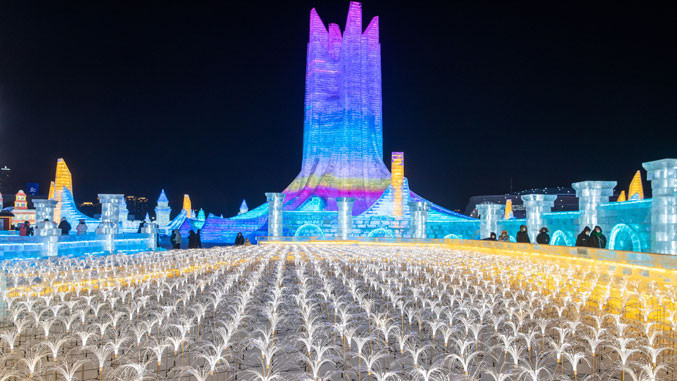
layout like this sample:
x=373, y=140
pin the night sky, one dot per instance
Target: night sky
x=207, y=99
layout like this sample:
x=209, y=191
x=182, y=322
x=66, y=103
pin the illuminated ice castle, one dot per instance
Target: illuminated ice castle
x=342, y=146
x=344, y=189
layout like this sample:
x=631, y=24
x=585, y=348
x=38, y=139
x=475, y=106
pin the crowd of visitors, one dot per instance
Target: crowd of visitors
x=587, y=238
x=195, y=239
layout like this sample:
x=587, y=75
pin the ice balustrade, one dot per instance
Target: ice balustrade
x=49, y=242
x=15, y=247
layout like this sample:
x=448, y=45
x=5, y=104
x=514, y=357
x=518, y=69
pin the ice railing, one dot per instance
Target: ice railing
x=71, y=245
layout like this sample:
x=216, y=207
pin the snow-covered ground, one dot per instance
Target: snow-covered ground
x=306, y=312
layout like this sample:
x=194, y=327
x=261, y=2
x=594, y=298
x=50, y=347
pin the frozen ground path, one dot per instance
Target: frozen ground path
x=330, y=312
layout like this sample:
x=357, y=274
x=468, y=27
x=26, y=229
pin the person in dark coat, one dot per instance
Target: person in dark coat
x=175, y=239
x=583, y=239
x=522, y=235
x=597, y=239
x=64, y=226
x=543, y=237
x=191, y=240
x=492, y=237
x=239, y=240
x=198, y=240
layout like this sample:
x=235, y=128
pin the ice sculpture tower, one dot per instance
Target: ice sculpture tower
x=187, y=206
x=162, y=210
x=62, y=179
x=243, y=207
x=342, y=126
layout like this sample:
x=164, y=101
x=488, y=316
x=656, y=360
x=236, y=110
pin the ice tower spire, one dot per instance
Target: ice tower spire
x=354, y=20
x=342, y=126
x=317, y=28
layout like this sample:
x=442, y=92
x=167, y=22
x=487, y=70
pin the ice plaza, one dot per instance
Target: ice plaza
x=352, y=274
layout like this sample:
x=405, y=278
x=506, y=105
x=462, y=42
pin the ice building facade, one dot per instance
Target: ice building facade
x=344, y=189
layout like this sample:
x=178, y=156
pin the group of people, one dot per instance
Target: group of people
x=587, y=238
x=194, y=239
x=591, y=238
x=26, y=230
x=241, y=241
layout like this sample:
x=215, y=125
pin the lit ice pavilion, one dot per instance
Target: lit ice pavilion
x=344, y=189
x=342, y=163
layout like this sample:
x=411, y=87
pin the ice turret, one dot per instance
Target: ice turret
x=163, y=197
x=187, y=206
x=636, y=191
x=508, y=210
x=62, y=180
x=162, y=211
x=200, y=220
x=243, y=207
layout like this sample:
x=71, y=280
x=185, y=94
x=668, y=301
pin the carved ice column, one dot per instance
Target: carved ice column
x=345, y=217
x=151, y=229
x=536, y=205
x=419, y=218
x=124, y=212
x=275, y=202
x=110, y=218
x=489, y=216
x=46, y=228
x=590, y=195
x=663, y=177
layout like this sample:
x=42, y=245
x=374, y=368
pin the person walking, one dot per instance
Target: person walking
x=239, y=240
x=543, y=237
x=64, y=226
x=597, y=239
x=175, y=238
x=198, y=240
x=504, y=237
x=492, y=237
x=191, y=239
x=81, y=228
x=583, y=239
x=522, y=235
